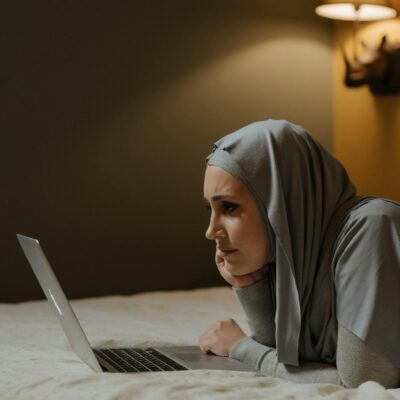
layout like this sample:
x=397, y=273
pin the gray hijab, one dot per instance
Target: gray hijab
x=304, y=194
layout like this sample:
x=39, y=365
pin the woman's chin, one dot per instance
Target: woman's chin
x=235, y=271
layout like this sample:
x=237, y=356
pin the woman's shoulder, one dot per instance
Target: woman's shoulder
x=372, y=219
x=375, y=208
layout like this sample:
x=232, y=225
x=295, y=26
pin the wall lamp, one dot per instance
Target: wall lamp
x=376, y=66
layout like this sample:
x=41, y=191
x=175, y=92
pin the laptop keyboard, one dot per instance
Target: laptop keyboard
x=138, y=360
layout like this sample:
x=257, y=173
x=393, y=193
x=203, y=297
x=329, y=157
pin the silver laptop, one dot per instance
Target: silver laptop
x=169, y=358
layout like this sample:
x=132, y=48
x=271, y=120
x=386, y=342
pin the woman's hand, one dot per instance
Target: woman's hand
x=221, y=337
x=238, y=281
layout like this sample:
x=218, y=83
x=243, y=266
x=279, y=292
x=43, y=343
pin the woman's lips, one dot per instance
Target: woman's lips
x=225, y=252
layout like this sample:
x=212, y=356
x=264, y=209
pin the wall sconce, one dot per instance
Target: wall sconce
x=376, y=66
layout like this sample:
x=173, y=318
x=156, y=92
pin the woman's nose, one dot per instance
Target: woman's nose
x=214, y=231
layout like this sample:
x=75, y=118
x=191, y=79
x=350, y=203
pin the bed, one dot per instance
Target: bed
x=37, y=362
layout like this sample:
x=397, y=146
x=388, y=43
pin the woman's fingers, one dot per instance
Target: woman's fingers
x=226, y=275
x=219, y=261
x=221, y=337
x=204, y=341
x=237, y=281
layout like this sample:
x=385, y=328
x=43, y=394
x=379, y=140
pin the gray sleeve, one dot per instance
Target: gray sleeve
x=356, y=363
x=264, y=359
x=257, y=303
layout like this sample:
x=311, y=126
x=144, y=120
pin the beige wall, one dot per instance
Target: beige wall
x=367, y=127
x=108, y=111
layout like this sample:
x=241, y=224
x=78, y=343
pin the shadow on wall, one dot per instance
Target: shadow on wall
x=84, y=63
x=108, y=114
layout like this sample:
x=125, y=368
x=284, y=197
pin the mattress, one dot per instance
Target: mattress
x=37, y=361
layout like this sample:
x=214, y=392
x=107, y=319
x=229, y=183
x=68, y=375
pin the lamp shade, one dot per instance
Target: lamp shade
x=356, y=10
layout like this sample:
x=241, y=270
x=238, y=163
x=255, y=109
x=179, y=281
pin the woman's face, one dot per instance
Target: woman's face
x=236, y=223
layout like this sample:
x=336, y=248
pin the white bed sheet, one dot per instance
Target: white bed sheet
x=37, y=362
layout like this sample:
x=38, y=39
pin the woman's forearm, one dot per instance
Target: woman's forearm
x=356, y=363
x=264, y=359
x=259, y=350
x=257, y=304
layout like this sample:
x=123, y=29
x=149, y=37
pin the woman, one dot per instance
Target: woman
x=315, y=267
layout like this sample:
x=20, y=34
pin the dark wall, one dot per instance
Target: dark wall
x=108, y=110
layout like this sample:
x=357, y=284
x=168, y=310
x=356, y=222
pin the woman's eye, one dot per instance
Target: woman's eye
x=208, y=207
x=229, y=207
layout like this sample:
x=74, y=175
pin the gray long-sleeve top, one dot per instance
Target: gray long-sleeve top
x=356, y=362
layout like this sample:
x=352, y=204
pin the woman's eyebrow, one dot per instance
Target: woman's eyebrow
x=219, y=197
